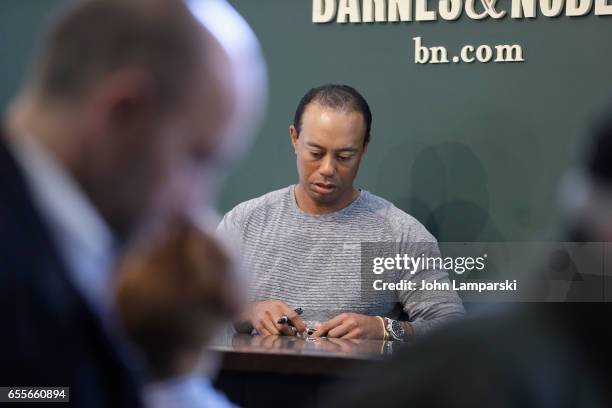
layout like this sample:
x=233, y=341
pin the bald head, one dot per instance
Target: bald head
x=96, y=37
x=130, y=97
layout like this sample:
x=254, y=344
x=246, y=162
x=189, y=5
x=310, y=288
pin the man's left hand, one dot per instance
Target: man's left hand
x=351, y=326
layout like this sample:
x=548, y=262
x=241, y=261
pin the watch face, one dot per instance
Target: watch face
x=397, y=329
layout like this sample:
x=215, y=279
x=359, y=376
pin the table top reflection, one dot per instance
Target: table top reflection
x=322, y=347
x=306, y=355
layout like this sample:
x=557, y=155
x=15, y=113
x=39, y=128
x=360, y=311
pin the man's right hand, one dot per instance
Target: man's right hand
x=263, y=317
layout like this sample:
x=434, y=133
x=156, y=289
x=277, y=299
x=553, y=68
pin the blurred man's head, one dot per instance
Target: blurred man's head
x=173, y=294
x=330, y=134
x=130, y=96
x=587, y=191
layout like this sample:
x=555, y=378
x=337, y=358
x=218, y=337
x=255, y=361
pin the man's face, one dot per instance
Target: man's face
x=167, y=167
x=329, y=148
x=186, y=156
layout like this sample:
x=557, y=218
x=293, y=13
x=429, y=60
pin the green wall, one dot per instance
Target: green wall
x=21, y=22
x=473, y=151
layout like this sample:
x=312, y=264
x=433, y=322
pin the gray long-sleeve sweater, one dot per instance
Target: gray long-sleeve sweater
x=314, y=261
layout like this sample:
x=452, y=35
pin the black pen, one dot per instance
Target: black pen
x=285, y=320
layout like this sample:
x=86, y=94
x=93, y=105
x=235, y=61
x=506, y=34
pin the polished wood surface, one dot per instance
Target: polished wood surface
x=268, y=371
x=284, y=354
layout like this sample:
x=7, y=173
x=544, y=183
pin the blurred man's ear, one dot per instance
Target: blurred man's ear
x=124, y=102
x=294, y=135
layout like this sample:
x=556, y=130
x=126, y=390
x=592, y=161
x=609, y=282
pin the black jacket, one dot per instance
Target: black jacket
x=48, y=334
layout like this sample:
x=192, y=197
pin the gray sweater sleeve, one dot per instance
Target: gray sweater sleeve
x=426, y=309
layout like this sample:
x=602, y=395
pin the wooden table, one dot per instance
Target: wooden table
x=278, y=370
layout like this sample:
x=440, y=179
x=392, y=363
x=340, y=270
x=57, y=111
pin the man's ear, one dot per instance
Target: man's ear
x=365, y=147
x=294, y=136
x=124, y=102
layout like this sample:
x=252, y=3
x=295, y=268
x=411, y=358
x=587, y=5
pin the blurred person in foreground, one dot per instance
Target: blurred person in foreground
x=129, y=107
x=172, y=297
x=521, y=355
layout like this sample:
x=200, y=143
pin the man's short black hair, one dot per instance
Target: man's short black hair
x=339, y=97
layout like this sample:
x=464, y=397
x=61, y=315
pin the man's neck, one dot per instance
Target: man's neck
x=56, y=131
x=309, y=206
x=49, y=128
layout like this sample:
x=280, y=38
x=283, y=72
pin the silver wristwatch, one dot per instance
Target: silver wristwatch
x=395, y=329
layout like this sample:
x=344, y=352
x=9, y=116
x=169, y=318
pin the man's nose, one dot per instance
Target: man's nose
x=328, y=166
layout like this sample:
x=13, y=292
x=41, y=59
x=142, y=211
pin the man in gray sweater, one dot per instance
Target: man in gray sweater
x=302, y=244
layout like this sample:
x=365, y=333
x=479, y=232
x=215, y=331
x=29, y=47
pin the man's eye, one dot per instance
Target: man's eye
x=316, y=155
x=344, y=158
